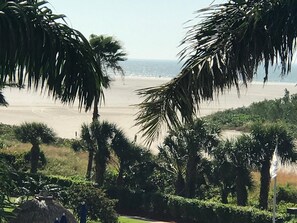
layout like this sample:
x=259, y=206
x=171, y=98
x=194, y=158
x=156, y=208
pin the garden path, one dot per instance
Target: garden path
x=149, y=220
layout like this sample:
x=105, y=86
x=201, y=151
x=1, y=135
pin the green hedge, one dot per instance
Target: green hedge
x=186, y=210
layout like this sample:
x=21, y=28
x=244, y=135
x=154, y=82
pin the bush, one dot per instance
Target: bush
x=21, y=162
x=187, y=210
x=77, y=145
x=30, y=184
x=287, y=193
x=99, y=207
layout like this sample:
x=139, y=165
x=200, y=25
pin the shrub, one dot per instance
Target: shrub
x=21, y=162
x=99, y=207
x=77, y=145
x=187, y=210
x=287, y=193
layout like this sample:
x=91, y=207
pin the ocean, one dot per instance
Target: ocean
x=170, y=68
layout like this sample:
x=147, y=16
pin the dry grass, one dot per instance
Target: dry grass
x=17, y=148
x=60, y=160
x=65, y=162
x=284, y=177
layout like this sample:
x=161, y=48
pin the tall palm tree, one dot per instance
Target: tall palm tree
x=35, y=133
x=221, y=51
x=108, y=53
x=266, y=137
x=40, y=51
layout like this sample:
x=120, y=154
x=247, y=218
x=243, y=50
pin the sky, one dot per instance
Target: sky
x=147, y=29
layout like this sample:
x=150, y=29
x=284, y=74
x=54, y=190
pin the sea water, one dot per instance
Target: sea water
x=171, y=68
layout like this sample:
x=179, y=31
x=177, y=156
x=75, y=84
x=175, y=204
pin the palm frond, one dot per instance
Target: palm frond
x=39, y=50
x=222, y=51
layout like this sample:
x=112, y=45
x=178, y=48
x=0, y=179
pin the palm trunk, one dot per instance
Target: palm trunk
x=100, y=166
x=35, y=150
x=90, y=164
x=191, y=172
x=224, y=195
x=91, y=150
x=241, y=190
x=101, y=157
x=96, y=110
x=179, y=185
x=264, y=188
x=120, y=176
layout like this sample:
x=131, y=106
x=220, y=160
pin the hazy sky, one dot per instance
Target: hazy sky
x=148, y=29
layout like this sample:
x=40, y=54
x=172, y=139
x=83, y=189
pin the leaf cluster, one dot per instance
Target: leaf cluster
x=41, y=51
x=224, y=49
x=35, y=133
x=99, y=207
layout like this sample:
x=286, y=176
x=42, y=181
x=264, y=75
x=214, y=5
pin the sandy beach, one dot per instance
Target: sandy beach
x=27, y=106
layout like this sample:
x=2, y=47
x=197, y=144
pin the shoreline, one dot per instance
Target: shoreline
x=28, y=106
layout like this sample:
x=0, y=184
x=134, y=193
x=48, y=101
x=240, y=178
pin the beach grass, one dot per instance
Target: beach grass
x=64, y=161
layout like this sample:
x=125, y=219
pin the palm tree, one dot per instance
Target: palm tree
x=237, y=154
x=89, y=140
x=40, y=51
x=35, y=133
x=221, y=51
x=103, y=133
x=199, y=137
x=127, y=153
x=172, y=158
x=266, y=137
x=223, y=172
x=184, y=148
x=108, y=53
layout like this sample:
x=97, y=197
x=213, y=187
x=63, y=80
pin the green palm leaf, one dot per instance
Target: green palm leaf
x=40, y=51
x=222, y=51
